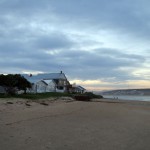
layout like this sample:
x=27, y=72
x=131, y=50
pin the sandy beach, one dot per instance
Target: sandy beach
x=66, y=124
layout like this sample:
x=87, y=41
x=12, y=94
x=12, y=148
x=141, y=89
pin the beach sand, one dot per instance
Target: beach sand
x=65, y=124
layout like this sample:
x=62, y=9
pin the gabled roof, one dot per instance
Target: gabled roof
x=80, y=87
x=48, y=81
x=44, y=76
x=42, y=82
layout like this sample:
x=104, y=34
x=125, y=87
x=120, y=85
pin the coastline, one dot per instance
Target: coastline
x=66, y=124
x=129, y=97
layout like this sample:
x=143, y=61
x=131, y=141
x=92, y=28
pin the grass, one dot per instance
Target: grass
x=37, y=96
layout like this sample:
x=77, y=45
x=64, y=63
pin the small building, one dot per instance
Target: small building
x=76, y=89
x=79, y=89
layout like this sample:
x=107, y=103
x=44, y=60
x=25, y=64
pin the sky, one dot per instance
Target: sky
x=98, y=44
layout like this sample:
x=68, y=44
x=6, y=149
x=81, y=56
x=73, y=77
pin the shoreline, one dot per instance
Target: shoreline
x=129, y=97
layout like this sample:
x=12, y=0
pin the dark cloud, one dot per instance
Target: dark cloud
x=53, y=41
x=120, y=14
x=24, y=7
x=125, y=16
x=54, y=35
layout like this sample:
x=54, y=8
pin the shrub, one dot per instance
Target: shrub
x=91, y=95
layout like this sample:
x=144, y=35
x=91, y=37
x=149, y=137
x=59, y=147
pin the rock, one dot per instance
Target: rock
x=9, y=102
x=27, y=104
x=43, y=103
x=82, y=98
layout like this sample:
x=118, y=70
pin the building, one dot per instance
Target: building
x=76, y=89
x=79, y=89
x=48, y=82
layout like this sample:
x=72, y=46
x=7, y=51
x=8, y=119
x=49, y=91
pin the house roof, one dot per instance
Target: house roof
x=42, y=82
x=80, y=87
x=44, y=76
x=48, y=81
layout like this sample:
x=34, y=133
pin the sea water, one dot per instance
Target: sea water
x=128, y=97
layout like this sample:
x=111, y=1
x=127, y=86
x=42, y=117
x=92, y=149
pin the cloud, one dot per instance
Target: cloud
x=53, y=41
x=97, y=40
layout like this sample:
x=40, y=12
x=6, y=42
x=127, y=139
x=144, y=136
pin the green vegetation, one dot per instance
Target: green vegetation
x=91, y=95
x=87, y=96
x=12, y=83
x=47, y=95
x=36, y=95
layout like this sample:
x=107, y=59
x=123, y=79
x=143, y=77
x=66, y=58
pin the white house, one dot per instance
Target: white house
x=50, y=82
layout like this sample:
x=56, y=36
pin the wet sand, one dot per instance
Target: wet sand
x=101, y=124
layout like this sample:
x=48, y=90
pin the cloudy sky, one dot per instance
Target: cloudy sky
x=99, y=44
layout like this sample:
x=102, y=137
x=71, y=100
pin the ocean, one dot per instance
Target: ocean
x=128, y=97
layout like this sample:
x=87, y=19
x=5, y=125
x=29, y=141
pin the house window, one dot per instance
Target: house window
x=60, y=87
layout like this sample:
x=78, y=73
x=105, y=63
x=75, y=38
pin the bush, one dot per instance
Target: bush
x=91, y=95
x=14, y=82
x=82, y=97
x=87, y=96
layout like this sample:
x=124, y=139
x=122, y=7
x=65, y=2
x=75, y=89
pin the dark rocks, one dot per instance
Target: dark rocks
x=43, y=103
x=27, y=104
x=9, y=102
x=82, y=98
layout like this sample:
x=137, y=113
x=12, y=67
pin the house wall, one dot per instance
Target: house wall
x=40, y=87
x=62, y=85
x=51, y=87
x=61, y=91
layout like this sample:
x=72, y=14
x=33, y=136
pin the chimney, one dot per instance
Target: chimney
x=30, y=75
x=61, y=72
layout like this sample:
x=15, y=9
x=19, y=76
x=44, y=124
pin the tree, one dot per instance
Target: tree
x=13, y=82
x=22, y=83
